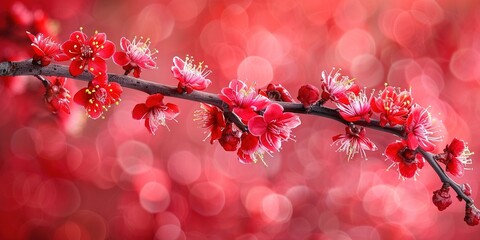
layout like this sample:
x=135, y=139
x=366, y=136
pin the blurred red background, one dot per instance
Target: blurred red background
x=74, y=178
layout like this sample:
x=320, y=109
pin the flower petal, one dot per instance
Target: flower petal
x=139, y=111
x=154, y=100
x=121, y=58
x=257, y=126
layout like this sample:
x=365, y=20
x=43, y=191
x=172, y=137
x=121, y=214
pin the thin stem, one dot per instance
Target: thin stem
x=45, y=82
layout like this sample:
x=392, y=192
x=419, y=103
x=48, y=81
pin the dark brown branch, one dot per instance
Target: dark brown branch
x=27, y=68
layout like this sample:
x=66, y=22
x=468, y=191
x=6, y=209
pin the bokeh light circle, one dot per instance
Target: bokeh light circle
x=255, y=69
x=154, y=197
x=277, y=208
x=134, y=157
x=207, y=198
x=465, y=64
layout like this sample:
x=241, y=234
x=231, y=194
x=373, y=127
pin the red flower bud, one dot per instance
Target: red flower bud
x=472, y=215
x=441, y=198
x=465, y=189
x=308, y=95
x=230, y=139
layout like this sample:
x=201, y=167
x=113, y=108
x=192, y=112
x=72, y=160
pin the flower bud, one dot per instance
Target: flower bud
x=229, y=139
x=308, y=95
x=465, y=189
x=472, y=215
x=441, y=198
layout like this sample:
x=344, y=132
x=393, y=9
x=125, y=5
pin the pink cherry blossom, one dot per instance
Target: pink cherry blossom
x=136, y=56
x=420, y=129
x=335, y=87
x=357, y=107
x=273, y=127
x=190, y=76
x=250, y=150
x=354, y=141
x=243, y=100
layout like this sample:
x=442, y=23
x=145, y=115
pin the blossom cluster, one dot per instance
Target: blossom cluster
x=251, y=121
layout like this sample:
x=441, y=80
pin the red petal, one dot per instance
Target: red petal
x=456, y=147
x=139, y=111
x=392, y=151
x=273, y=112
x=97, y=66
x=71, y=49
x=257, y=126
x=154, y=100
x=407, y=171
x=121, y=58
x=31, y=36
x=99, y=38
x=81, y=97
x=78, y=37
x=179, y=63
x=124, y=43
x=172, y=111
x=76, y=67
x=107, y=51
x=455, y=167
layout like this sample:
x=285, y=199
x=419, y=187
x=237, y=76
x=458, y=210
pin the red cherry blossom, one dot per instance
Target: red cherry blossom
x=273, y=127
x=88, y=54
x=155, y=112
x=456, y=156
x=441, y=198
x=244, y=101
x=408, y=161
x=98, y=96
x=276, y=92
x=57, y=95
x=354, y=141
x=190, y=76
x=472, y=215
x=335, y=87
x=136, y=55
x=249, y=151
x=392, y=105
x=44, y=48
x=212, y=118
x=308, y=95
x=230, y=138
x=357, y=108
x=420, y=130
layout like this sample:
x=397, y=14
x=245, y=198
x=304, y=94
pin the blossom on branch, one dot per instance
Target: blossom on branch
x=308, y=95
x=212, y=118
x=230, y=138
x=276, y=92
x=155, y=112
x=441, y=198
x=337, y=87
x=273, y=127
x=242, y=100
x=408, y=161
x=136, y=55
x=355, y=107
x=250, y=150
x=354, y=141
x=98, y=96
x=190, y=76
x=88, y=54
x=44, y=48
x=472, y=215
x=455, y=156
x=57, y=95
x=392, y=105
x=419, y=129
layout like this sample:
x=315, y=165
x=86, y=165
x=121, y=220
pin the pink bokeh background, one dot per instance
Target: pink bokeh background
x=76, y=178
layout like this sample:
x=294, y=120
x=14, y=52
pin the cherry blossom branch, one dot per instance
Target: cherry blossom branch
x=443, y=176
x=28, y=68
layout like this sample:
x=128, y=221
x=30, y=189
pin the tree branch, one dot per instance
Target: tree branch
x=28, y=68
